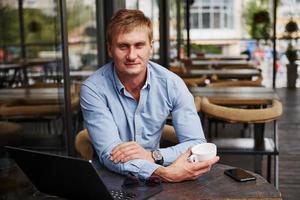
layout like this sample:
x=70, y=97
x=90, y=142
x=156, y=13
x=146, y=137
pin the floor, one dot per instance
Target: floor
x=289, y=138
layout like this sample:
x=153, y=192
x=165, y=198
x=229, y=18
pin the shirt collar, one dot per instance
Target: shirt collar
x=120, y=87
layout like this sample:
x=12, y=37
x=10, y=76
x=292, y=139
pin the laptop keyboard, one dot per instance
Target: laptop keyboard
x=122, y=195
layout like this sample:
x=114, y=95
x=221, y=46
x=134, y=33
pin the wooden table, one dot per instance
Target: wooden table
x=236, y=95
x=216, y=185
x=77, y=75
x=224, y=57
x=221, y=63
x=223, y=73
x=30, y=95
x=213, y=185
x=35, y=102
x=74, y=75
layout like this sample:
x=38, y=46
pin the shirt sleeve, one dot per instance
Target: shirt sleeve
x=104, y=133
x=186, y=122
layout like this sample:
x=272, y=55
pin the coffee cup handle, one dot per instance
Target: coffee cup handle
x=192, y=158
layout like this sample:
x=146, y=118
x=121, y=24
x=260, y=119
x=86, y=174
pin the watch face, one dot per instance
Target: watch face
x=157, y=155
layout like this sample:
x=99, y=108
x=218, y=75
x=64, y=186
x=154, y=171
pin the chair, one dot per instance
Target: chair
x=10, y=133
x=178, y=69
x=35, y=109
x=186, y=61
x=83, y=145
x=195, y=82
x=233, y=83
x=259, y=145
x=168, y=137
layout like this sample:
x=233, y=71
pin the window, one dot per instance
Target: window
x=211, y=14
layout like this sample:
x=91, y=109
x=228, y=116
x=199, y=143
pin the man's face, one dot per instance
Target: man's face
x=130, y=52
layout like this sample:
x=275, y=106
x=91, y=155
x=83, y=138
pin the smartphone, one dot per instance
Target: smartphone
x=239, y=175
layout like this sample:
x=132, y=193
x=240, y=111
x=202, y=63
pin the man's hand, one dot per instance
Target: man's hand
x=128, y=151
x=182, y=169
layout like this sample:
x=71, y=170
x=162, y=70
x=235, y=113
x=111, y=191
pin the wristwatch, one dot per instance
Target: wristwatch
x=157, y=157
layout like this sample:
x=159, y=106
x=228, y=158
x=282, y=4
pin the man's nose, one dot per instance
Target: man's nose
x=132, y=53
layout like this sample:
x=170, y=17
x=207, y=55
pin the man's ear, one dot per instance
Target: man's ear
x=109, y=50
x=151, y=45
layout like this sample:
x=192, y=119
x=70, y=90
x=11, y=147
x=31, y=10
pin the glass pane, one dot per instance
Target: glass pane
x=226, y=21
x=217, y=20
x=82, y=34
x=194, y=20
x=9, y=31
x=132, y=4
x=31, y=94
x=40, y=26
x=205, y=20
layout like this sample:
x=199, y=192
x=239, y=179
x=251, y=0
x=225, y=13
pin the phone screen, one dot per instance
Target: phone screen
x=239, y=174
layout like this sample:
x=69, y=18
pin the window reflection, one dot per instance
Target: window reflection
x=82, y=35
x=31, y=90
x=211, y=14
x=9, y=31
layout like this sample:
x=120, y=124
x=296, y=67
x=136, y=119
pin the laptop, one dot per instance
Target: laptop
x=74, y=178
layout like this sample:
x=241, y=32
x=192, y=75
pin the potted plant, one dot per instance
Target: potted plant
x=291, y=54
x=291, y=26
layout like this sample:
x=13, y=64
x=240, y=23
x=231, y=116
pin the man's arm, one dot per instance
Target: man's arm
x=129, y=151
x=183, y=170
x=187, y=126
x=185, y=120
x=104, y=133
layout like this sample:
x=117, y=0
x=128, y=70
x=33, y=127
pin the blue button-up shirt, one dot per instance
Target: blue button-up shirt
x=113, y=116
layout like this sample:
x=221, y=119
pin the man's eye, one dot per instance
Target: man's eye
x=122, y=47
x=140, y=45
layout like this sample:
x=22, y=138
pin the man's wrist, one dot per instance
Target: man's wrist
x=150, y=157
x=157, y=157
x=162, y=172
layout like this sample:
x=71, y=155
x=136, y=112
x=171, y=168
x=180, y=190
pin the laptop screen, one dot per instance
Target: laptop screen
x=74, y=178
x=67, y=177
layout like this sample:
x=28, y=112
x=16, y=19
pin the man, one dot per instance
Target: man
x=126, y=102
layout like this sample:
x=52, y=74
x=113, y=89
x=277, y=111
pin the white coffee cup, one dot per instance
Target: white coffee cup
x=202, y=152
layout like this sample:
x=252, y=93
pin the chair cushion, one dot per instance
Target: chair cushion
x=197, y=101
x=84, y=145
x=241, y=115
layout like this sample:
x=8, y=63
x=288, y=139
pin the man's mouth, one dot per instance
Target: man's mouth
x=131, y=64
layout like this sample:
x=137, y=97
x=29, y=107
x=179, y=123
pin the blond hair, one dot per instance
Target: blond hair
x=125, y=20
